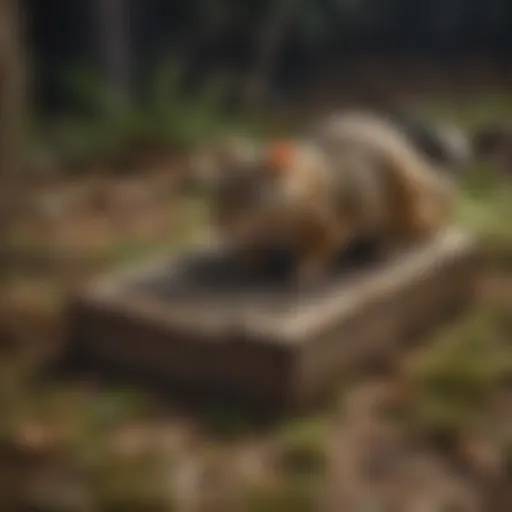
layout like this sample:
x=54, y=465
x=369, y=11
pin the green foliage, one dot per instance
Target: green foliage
x=289, y=495
x=314, y=22
x=226, y=422
x=130, y=484
x=506, y=450
x=75, y=431
x=487, y=108
x=109, y=119
x=486, y=200
x=454, y=378
x=111, y=125
x=301, y=447
x=180, y=120
x=483, y=208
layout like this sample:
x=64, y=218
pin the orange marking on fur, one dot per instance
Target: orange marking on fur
x=281, y=156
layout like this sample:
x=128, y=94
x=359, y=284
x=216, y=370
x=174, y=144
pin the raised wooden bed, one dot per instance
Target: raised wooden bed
x=194, y=323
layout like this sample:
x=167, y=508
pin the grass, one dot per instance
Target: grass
x=507, y=456
x=70, y=431
x=454, y=378
x=485, y=204
x=225, y=423
x=33, y=250
x=302, y=447
x=287, y=495
x=456, y=375
x=487, y=108
x=133, y=484
x=108, y=127
x=484, y=209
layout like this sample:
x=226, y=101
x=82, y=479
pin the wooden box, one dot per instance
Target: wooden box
x=267, y=344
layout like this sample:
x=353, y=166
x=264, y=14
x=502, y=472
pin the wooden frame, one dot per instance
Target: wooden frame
x=288, y=353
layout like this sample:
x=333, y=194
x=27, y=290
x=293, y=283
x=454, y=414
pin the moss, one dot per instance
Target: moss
x=506, y=453
x=454, y=378
x=302, y=447
x=226, y=423
x=291, y=495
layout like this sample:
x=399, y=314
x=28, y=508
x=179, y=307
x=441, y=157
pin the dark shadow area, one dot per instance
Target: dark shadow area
x=220, y=275
x=222, y=412
x=216, y=282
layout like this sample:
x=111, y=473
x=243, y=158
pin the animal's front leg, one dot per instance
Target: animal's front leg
x=321, y=240
x=313, y=267
x=252, y=259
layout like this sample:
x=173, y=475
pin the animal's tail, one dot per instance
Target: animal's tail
x=418, y=183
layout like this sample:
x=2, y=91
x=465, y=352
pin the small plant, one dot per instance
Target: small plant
x=134, y=484
x=226, y=422
x=302, y=447
x=453, y=379
x=112, y=127
x=288, y=495
x=481, y=183
x=64, y=436
x=506, y=453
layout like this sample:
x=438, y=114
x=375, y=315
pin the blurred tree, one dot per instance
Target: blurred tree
x=12, y=87
x=310, y=22
x=12, y=111
x=112, y=39
x=262, y=43
x=268, y=40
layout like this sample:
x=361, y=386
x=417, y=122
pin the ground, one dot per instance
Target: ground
x=434, y=435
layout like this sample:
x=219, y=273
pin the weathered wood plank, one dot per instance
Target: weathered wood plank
x=196, y=322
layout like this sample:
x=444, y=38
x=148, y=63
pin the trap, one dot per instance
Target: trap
x=193, y=322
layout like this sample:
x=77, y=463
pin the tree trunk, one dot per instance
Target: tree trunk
x=12, y=112
x=268, y=46
x=12, y=93
x=112, y=39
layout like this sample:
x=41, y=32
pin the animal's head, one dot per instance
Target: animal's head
x=247, y=198
x=241, y=178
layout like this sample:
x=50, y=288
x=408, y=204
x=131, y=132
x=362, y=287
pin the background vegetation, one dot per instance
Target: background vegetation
x=99, y=103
